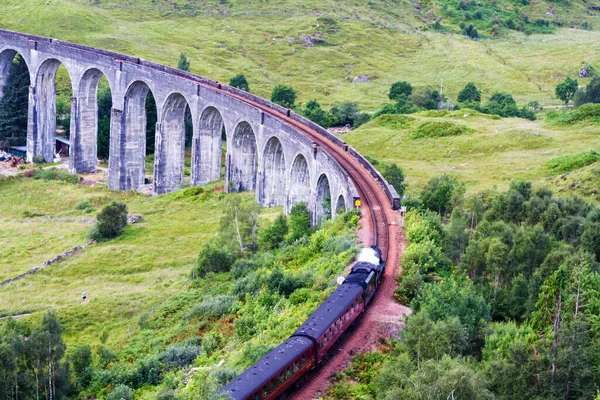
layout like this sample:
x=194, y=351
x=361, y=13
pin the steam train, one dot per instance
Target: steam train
x=276, y=372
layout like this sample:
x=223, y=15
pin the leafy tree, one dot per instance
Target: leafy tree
x=442, y=193
x=566, y=90
x=284, y=95
x=239, y=81
x=400, y=90
x=313, y=111
x=80, y=358
x=121, y=392
x=299, y=225
x=456, y=297
x=502, y=104
x=183, y=63
x=591, y=93
x=590, y=240
x=271, y=237
x=469, y=94
x=394, y=175
x=14, y=105
x=239, y=223
x=111, y=220
x=471, y=32
x=345, y=113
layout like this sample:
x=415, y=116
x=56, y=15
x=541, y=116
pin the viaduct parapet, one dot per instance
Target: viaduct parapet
x=264, y=152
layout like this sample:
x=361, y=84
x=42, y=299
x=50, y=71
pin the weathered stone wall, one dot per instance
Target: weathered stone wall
x=261, y=149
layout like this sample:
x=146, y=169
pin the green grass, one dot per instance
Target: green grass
x=583, y=182
x=381, y=39
x=588, y=114
x=560, y=165
x=437, y=129
x=123, y=277
x=497, y=152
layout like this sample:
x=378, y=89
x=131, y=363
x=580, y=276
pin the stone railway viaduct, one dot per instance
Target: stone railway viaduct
x=264, y=153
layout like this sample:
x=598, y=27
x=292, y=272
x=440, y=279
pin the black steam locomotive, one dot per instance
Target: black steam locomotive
x=277, y=371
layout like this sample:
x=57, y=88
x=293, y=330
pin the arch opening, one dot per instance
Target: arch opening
x=340, y=206
x=323, y=200
x=139, y=138
x=90, y=133
x=52, y=111
x=14, y=99
x=299, y=187
x=243, y=162
x=273, y=190
x=170, y=145
x=207, y=147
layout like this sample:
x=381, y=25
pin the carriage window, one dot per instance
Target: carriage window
x=257, y=396
x=296, y=366
x=303, y=360
x=265, y=391
x=288, y=373
x=273, y=385
x=281, y=378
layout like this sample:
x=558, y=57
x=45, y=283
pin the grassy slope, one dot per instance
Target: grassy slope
x=382, y=40
x=499, y=151
x=124, y=277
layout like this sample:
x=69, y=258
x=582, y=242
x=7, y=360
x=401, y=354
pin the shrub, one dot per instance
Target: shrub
x=313, y=111
x=225, y=374
x=586, y=114
x=243, y=267
x=563, y=164
x=179, y=356
x=284, y=95
x=299, y=223
x=394, y=175
x=338, y=244
x=83, y=205
x=111, y=220
x=272, y=237
x=239, y=81
x=345, y=113
x=469, y=93
x=121, y=392
x=502, y=104
x=214, y=307
x=436, y=129
x=214, y=257
x=442, y=193
x=249, y=284
x=394, y=121
x=39, y=159
x=361, y=119
x=399, y=90
x=54, y=174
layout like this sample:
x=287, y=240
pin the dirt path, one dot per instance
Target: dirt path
x=383, y=319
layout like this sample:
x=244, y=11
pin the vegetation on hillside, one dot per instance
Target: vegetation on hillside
x=504, y=292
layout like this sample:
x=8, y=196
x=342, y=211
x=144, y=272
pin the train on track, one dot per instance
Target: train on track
x=276, y=372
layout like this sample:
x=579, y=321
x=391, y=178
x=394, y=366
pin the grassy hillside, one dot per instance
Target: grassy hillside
x=387, y=40
x=491, y=151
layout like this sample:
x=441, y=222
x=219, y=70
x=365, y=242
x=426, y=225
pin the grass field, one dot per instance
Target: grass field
x=495, y=152
x=149, y=263
x=263, y=40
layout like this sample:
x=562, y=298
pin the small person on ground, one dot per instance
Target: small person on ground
x=84, y=296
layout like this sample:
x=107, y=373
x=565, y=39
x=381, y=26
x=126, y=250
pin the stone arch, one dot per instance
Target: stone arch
x=84, y=131
x=6, y=59
x=44, y=133
x=299, y=182
x=132, y=143
x=340, y=205
x=170, y=145
x=243, y=160
x=323, y=200
x=206, y=147
x=273, y=190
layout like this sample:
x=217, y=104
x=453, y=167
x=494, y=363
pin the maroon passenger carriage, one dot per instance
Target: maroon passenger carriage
x=276, y=372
